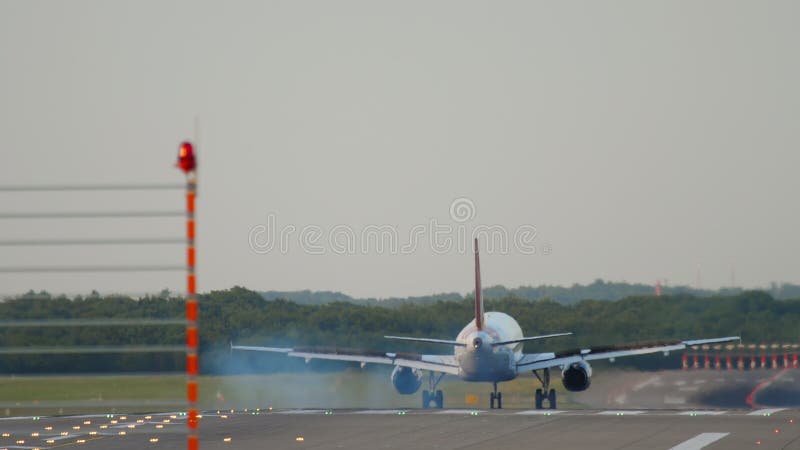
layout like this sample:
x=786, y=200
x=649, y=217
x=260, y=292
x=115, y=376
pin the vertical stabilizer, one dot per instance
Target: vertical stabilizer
x=478, y=295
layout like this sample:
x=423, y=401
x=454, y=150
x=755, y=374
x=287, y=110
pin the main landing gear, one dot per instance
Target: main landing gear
x=495, y=397
x=545, y=393
x=432, y=395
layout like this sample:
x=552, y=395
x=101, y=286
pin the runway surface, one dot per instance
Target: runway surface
x=771, y=428
x=693, y=389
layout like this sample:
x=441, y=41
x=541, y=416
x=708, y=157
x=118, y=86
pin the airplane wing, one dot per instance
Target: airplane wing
x=436, y=363
x=535, y=361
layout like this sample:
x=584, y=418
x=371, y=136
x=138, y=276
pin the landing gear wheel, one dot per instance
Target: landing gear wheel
x=499, y=400
x=432, y=394
x=439, y=400
x=551, y=397
x=545, y=393
x=491, y=400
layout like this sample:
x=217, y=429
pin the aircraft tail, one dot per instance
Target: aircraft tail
x=479, y=322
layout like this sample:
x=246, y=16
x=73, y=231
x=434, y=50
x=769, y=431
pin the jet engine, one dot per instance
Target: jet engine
x=406, y=380
x=577, y=376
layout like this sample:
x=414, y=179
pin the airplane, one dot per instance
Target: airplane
x=488, y=349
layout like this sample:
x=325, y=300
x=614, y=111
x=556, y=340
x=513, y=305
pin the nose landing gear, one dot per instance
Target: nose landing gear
x=495, y=397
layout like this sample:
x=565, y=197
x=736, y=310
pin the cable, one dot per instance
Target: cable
x=102, y=241
x=90, y=214
x=74, y=269
x=99, y=322
x=36, y=350
x=91, y=187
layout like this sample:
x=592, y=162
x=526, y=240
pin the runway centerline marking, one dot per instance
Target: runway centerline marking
x=702, y=413
x=700, y=441
x=620, y=412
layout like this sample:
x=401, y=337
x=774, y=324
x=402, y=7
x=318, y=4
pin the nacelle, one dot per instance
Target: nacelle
x=577, y=376
x=406, y=380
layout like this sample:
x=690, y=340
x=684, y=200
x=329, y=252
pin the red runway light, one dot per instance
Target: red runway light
x=186, y=157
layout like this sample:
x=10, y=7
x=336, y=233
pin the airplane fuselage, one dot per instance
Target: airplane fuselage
x=479, y=360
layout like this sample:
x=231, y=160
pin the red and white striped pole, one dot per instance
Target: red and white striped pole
x=188, y=163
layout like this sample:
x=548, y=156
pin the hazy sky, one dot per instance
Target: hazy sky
x=641, y=139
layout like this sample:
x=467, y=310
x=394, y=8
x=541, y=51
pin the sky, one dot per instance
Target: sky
x=623, y=140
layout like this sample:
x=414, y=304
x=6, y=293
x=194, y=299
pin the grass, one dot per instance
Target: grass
x=46, y=395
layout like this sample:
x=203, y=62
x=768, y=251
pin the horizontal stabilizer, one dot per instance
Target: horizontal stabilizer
x=531, y=338
x=427, y=340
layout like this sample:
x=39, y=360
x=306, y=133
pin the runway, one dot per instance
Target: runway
x=717, y=389
x=770, y=428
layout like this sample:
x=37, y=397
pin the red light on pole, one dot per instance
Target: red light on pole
x=186, y=158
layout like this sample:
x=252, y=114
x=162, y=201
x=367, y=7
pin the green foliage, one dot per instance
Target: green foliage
x=246, y=317
x=597, y=290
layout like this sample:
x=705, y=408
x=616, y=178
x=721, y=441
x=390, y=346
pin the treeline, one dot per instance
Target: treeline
x=597, y=290
x=244, y=316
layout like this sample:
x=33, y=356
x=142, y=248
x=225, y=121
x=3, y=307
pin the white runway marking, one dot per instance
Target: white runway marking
x=381, y=411
x=22, y=418
x=303, y=411
x=765, y=412
x=644, y=384
x=669, y=400
x=702, y=413
x=68, y=436
x=700, y=441
x=540, y=412
x=621, y=412
x=459, y=411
